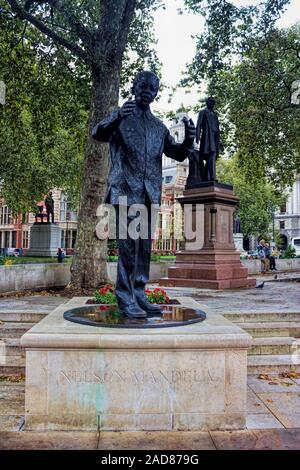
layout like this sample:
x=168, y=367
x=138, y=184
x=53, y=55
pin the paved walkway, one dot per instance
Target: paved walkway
x=274, y=296
x=273, y=420
x=260, y=439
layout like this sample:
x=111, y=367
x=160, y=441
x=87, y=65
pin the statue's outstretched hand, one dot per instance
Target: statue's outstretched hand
x=127, y=109
x=190, y=130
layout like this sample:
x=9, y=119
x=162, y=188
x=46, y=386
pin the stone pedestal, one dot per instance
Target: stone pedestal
x=45, y=239
x=216, y=264
x=81, y=377
x=238, y=239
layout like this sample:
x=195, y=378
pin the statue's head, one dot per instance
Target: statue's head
x=210, y=102
x=145, y=87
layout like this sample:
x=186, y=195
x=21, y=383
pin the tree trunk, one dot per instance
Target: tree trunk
x=89, y=263
x=89, y=267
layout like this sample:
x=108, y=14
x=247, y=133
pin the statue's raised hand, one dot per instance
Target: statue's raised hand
x=127, y=109
x=190, y=130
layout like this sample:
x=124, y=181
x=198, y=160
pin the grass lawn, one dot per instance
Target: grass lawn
x=33, y=259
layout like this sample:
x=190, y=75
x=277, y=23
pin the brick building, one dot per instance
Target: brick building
x=15, y=231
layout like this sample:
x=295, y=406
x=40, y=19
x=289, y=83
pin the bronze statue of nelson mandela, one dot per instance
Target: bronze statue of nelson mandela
x=137, y=141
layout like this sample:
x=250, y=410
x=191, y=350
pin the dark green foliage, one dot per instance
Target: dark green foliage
x=43, y=126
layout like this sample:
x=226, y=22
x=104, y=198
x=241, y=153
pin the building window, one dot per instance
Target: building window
x=66, y=213
x=25, y=240
x=62, y=240
x=282, y=224
x=6, y=239
x=5, y=216
x=25, y=219
x=63, y=207
x=68, y=238
x=283, y=208
x=13, y=239
x=74, y=236
x=160, y=220
x=168, y=179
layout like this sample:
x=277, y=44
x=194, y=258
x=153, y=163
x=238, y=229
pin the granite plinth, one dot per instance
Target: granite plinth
x=216, y=264
x=45, y=239
x=81, y=377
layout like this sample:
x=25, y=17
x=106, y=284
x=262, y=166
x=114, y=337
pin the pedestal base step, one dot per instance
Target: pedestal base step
x=208, y=283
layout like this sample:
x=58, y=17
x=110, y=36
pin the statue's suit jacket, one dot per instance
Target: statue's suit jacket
x=137, y=143
x=208, y=132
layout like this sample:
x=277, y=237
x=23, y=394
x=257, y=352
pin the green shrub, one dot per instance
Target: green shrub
x=290, y=252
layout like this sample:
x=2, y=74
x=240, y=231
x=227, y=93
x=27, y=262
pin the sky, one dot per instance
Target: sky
x=176, y=47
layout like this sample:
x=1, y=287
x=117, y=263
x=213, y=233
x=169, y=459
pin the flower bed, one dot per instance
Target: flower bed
x=106, y=295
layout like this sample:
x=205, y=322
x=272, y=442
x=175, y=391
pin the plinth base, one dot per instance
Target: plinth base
x=81, y=377
x=45, y=239
x=217, y=264
x=208, y=284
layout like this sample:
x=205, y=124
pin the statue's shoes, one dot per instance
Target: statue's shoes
x=133, y=311
x=148, y=306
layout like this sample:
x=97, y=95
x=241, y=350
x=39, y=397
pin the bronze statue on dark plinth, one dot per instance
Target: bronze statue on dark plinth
x=49, y=203
x=208, y=134
x=202, y=162
x=40, y=215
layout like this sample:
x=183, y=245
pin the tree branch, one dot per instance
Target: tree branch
x=126, y=20
x=109, y=39
x=39, y=24
x=83, y=33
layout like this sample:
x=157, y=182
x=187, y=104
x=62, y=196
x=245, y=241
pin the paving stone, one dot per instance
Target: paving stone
x=12, y=407
x=262, y=421
x=14, y=329
x=276, y=296
x=23, y=316
x=272, y=328
x=275, y=439
x=275, y=384
x=155, y=441
x=254, y=404
x=11, y=347
x=297, y=381
x=11, y=392
x=272, y=364
x=284, y=406
x=43, y=303
x=11, y=422
x=26, y=440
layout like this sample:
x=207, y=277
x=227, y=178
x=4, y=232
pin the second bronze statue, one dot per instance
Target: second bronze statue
x=202, y=166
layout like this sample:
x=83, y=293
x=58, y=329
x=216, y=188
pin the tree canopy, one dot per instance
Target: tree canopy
x=228, y=33
x=258, y=198
x=43, y=126
x=263, y=126
x=249, y=66
x=43, y=123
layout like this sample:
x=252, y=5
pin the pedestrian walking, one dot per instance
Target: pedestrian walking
x=60, y=255
x=262, y=254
